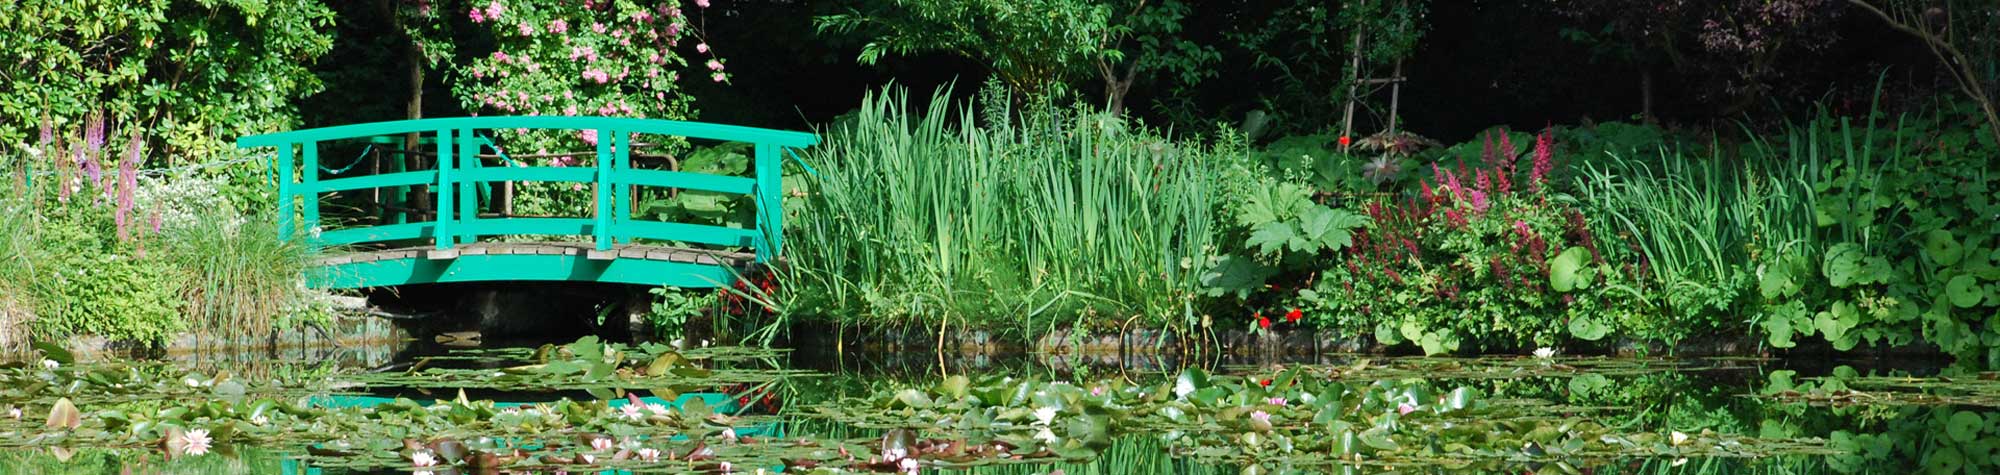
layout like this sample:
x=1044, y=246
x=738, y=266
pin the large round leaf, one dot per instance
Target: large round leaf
x=1964, y=291
x=1588, y=329
x=1567, y=273
x=1964, y=426
x=1942, y=248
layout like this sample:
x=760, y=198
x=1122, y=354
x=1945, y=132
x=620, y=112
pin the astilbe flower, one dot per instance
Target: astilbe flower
x=48, y=131
x=128, y=182
x=1544, y=158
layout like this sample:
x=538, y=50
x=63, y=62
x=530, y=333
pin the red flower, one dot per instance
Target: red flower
x=1294, y=315
x=1344, y=141
x=1263, y=321
x=1266, y=382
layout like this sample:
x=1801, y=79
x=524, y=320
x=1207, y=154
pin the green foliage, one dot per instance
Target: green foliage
x=1035, y=46
x=194, y=73
x=674, y=308
x=922, y=218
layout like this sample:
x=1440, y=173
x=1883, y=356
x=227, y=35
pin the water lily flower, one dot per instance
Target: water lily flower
x=1677, y=438
x=649, y=454
x=1545, y=352
x=1405, y=408
x=630, y=412
x=259, y=419
x=601, y=443
x=196, y=441
x=1045, y=435
x=1276, y=401
x=1261, y=416
x=908, y=465
x=14, y=412
x=1045, y=415
x=51, y=364
x=726, y=467
x=656, y=409
x=423, y=458
x=729, y=434
x=1097, y=391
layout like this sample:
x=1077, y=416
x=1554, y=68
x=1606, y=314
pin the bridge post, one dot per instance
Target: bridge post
x=285, y=192
x=770, y=201
x=602, y=231
x=308, y=192
x=442, y=230
x=621, y=194
x=468, y=197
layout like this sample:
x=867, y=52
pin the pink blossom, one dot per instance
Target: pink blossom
x=500, y=56
x=558, y=27
x=1544, y=158
x=493, y=10
x=670, y=11
x=570, y=110
x=1405, y=408
x=718, y=77
x=714, y=65
x=597, y=27
x=701, y=3
x=478, y=16
x=600, y=76
x=643, y=16
x=527, y=30
x=673, y=29
x=590, y=136
x=701, y=48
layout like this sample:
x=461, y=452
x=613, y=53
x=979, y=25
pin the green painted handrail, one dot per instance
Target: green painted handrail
x=459, y=175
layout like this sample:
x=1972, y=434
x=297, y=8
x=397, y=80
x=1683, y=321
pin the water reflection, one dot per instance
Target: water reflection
x=1746, y=415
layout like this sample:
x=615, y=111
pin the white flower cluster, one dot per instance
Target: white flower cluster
x=182, y=200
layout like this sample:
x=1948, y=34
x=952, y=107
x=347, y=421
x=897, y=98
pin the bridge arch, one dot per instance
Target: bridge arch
x=620, y=248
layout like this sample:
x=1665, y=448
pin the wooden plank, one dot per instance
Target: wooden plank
x=441, y=254
x=632, y=252
x=597, y=255
x=479, y=250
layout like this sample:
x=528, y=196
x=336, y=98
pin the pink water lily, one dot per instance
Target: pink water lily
x=196, y=441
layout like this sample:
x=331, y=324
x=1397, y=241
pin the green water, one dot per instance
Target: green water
x=813, y=412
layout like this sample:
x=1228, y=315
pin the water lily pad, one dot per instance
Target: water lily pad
x=1567, y=271
x=1588, y=329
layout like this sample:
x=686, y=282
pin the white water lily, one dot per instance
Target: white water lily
x=259, y=419
x=1046, y=436
x=656, y=409
x=51, y=364
x=1261, y=416
x=649, y=454
x=729, y=434
x=14, y=412
x=423, y=458
x=630, y=412
x=1045, y=415
x=1677, y=438
x=196, y=441
x=1545, y=352
x=603, y=443
x=908, y=465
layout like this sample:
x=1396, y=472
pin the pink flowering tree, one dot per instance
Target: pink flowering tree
x=616, y=58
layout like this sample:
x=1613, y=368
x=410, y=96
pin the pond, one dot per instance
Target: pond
x=596, y=407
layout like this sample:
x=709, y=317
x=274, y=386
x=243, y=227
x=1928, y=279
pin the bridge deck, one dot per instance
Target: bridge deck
x=621, y=251
x=531, y=261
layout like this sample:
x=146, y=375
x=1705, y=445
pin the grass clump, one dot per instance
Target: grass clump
x=939, y=215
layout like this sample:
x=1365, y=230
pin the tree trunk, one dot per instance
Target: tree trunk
x=1646, y=95
x=419, y=195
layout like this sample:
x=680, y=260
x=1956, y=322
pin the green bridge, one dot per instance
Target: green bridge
x=607, y=246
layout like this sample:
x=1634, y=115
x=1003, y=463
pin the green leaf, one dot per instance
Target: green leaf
x=1235, y=274
x=1271, y=237
x=1566, y=271
x=1847, y=265
x=1964, y=291
x=1588, y=329
x=1782, y=279
x=1964, y=426
x=1330, y=229
x=1942, y=248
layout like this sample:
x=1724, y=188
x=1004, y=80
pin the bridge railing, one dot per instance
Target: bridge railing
x=458, y=173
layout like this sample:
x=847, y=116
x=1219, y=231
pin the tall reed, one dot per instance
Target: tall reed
x=926, y=217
